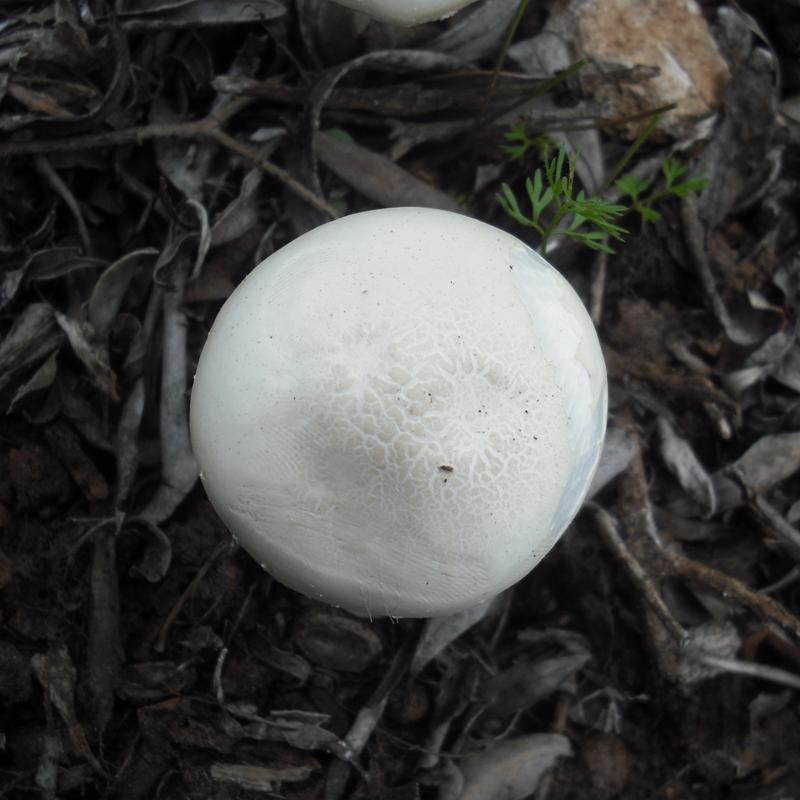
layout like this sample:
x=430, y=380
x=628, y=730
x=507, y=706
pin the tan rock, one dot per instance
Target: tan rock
x=670, y=35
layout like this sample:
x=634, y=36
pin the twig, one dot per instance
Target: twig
x=669, y=563
x=767, y=515
x=209, y=126
x=679, y=566
x=138, y=135
x=607, y=526
x=739, y=667
x=272, y=169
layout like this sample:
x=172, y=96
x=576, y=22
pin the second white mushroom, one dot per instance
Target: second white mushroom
x=406, y=12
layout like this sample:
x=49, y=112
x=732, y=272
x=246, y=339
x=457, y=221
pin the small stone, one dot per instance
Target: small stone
x=670, y=35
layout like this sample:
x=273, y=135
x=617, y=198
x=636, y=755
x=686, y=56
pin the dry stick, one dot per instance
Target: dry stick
x=612, y=539
x=679, y=566
x=770, y=519
x=749, y=669
x=272, y=169
x=210, y=126
x=672, y=564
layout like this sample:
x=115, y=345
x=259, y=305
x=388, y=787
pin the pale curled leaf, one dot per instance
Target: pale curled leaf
x=33, y=336
x=388, y=60
x=105, y=653
x=614, y=459
x=204, y=242
x=184, y=163
x=788, y=370
x=241, y=214
x=41, y=379
x=56, y=673
x=52, y=257
x=110, y=288
x=93, y=356
x=527, y=683
x=127, y=442
x=178, y=466
x=512, y=770
x=377, y=177
x=683, y=463
x=439, y=632
x=771, y=459
x=719, y=639
x=476, y=32
x=154, y=563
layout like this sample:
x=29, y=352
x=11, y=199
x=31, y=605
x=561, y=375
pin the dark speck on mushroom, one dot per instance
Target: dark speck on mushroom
x=445, y=468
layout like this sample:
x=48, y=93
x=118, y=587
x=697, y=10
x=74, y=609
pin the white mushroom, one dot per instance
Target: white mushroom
x=400, y=412
x=406, y=12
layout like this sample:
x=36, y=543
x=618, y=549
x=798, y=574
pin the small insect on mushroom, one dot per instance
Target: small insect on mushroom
x=406, y=12
x=391, y=420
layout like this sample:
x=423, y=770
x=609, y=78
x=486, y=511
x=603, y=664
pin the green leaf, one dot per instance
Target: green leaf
x=632, y=185
x=516, y=133
x=518, y=141
x=508, y=201
x=514, y=151
x=539, y=199
x=559, y=171
x=692, y=185
x=648, y=214
x=594, y=240
x=672, y=168
x=576, y=221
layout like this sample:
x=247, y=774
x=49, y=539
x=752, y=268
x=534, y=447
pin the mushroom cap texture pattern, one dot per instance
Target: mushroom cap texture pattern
x=406, y=12
x=400, y=411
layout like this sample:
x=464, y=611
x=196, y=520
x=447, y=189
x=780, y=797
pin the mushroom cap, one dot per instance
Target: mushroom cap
x=406, y=12
x=400, y=411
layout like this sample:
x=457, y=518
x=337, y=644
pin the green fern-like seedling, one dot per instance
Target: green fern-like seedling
x=518, y=143
x=552, y=198
x=555, y=208
x=676, y=182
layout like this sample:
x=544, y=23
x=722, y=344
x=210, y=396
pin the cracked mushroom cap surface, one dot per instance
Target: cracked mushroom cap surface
x=402, y=12
x=400, y=411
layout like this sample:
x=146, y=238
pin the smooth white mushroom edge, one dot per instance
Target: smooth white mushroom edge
x=406, y=12
x=400, y=412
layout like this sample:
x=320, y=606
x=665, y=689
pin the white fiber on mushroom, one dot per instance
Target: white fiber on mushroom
x=412, y=12
x=400, y=412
